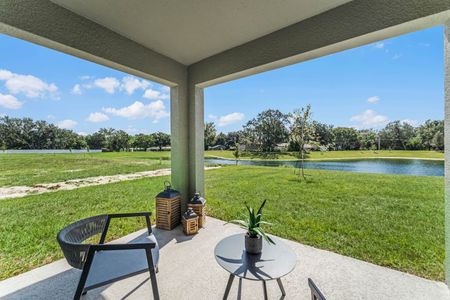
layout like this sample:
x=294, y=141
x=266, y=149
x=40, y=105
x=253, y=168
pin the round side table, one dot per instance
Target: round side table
x=274, y=262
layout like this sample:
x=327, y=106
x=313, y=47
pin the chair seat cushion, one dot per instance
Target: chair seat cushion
x=110, y=266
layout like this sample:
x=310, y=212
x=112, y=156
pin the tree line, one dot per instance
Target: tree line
x=272, y=128
x=266, y=132
x=24, y=133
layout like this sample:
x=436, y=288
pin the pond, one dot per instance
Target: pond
x=417, y=167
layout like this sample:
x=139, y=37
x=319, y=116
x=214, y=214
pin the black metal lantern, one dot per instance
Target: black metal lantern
x=198, y=203
x=168, y=208
x=190, y=222
x=197, y=199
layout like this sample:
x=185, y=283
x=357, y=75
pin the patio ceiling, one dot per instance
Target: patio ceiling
x=189, y=31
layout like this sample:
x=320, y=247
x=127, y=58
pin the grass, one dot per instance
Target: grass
x=391, y=220
x=29, y=225
x=317, y=155
x=31, y=169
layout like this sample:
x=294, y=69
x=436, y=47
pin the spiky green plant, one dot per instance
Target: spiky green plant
x=252, y=225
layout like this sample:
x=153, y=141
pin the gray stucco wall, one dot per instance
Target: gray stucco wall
x=343, y=23
x=46, y=23
x=447, y=149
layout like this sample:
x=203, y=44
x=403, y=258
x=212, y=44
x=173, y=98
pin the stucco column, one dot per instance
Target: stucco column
x=196, y=140
x=179, y=124
x=447, y=149
x=187, y=131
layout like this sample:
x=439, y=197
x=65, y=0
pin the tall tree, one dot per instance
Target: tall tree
x=302, y=131
x=161, y=139
x=267, y=130
x=221, y=139
x=367, y=139
x=142, y=141
x=396, y=135
x=233, y=138
x=323, y=133
x=119, y=140
x=96, y=140
x=346, y=138
x=427, y=131
x=210, y=134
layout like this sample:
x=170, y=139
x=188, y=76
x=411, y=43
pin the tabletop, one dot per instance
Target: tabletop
x=274, y=262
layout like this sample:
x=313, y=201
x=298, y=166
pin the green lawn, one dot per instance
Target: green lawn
x=317, y=155
x=30, y=169
x=391, y=220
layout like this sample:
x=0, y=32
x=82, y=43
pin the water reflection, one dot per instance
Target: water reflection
x=418, y=167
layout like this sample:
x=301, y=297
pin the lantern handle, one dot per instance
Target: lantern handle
x=167, y=185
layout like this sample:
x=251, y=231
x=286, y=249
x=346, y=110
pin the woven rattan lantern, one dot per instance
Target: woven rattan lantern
x=190, y=222
x=168, y=208
x=198, y=205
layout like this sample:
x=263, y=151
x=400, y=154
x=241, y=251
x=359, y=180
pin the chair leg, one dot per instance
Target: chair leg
x=84, y=275
x=151, y=269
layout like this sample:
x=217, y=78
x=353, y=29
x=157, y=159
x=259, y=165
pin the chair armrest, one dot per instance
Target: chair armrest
x=111, y=247
x=126, y=215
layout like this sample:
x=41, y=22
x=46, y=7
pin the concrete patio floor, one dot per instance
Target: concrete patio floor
x=188, y=270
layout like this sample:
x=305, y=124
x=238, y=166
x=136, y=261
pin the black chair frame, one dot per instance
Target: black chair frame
x=92, y=249
x=316, y=294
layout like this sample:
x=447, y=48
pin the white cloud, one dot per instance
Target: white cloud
x=138, y=110
x=67, y=124
x=373, y=99
x=76, y=89
x=130, y=84
x=230, y=119
x=155, y=95
x=379, y=45
x=397, y=56
x=369, y=118
x=51, y=117
x=82, y=133
x=109, y=84
x=9, y=101
x=97, y=117
x=28, y=85
x=212, y=117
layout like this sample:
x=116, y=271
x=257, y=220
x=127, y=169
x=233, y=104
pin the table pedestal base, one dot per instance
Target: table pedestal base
x=230, y=283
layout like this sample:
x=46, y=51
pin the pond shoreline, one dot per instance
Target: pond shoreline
x=326, y=159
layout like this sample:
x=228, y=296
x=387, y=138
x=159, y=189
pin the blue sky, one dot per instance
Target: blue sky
x=365, y=87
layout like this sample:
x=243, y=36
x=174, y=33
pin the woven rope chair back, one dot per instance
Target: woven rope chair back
x=71, y=238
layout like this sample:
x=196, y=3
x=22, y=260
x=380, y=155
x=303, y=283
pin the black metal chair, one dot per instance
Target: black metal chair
x=316, y=294
x=101, y=263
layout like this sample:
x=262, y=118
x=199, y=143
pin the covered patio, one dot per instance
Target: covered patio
x=188, y=270
x=189, y=46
